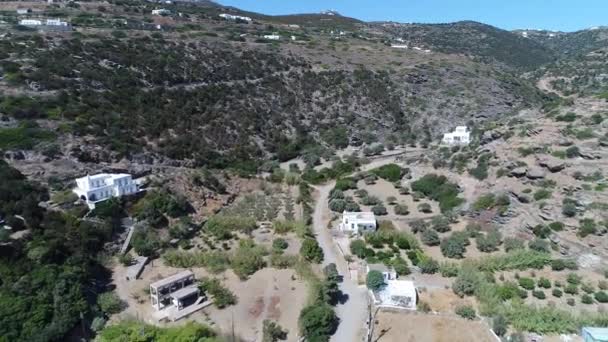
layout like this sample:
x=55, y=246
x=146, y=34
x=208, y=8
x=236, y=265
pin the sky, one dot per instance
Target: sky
x=561, y=15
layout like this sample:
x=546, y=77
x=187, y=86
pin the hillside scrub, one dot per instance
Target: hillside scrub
x=389, y=172
x=439, y=189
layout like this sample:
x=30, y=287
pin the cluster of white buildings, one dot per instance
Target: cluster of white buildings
x=274, y=36
x=47, y=22
x=234, y=17
x=460, y=136
x=100, y=187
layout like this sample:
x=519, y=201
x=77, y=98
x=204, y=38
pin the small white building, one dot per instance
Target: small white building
x=160, y=11
x=460, y=136
x=56, y=22
x=358, y=222
x=23, y=10
x=273, y=36
x=397, y=294
x=399, y=46
x=100, y=187
x=234, y=17
x=388, y=273
x=30, y=22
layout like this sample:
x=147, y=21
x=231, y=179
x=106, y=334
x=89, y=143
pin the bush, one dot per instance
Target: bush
x=539, y=294
x=109, y=303
x=499, y=325
x=425, y=208
x=439, y=189
x=511, y=244
x=571, y=289
x=375, y=280
x=570, y=301
x=489, y=242
x=601, y=296
x=587, y=227
x=572, y=152
x=272, y=332
x=573, y=279
x=448, y=269
x=318, y=321
x=557, y=293
x=453, y=246
x=222, y=296
x=418, y=226
x=337, y=205
x=379, y=210
x=247, y=259
x=586, y=299
x=467, y=281
x=98, y=324
x=544, y=283
x=466, y=311
x=441, y=224
x=279, y=244
x=311, y=251
x=370, y=200
x=430, y=237
x=401, y=209
x=527, y=283
x=389, y=172
x=556, y=226
x=428, y=266
x=401, y=267
x=345, y=184
x=357, y=247
x=539, y=245
x=542, y=194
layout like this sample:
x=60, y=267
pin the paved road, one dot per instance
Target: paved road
x=353, y=312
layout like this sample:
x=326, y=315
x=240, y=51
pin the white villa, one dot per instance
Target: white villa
x=234, y=17
x=387, y=272
x=100, y=187
x=273, y=36
x=358, y=222
x=460, y=136
x=160, y=11
x=47, y=22
x=398, y=294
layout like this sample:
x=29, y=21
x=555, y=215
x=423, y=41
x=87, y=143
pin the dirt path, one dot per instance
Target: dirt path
x=353, y=312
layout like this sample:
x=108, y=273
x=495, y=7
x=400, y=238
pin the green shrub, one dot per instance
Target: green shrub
x=539, y=245
x=454, y=246
x=557, y=293
x=438, y=188
x=601, y=297
x=318, y=321
x=556, y=226
x=247, y=259
x=441, y=224
x=109, y=303
x=389, y=172
x=375, y=280
x=539, y=294
x=542, y=194
x=379, y=210
x=345, y=184
x=587, y=227
x=544, y=283
x=448, y=269
x=311, y=251
x=570, y=301
x=430, y=237
x=466, y=311
x=222, y=296
x=573, y=279
x=489, y=242
x=571, y=289
x=511, y=244
x=401, y=209
x=428, y=265
x=499, y=325
x=279, y=244
x=586, y=299
x=527, y=283
x=425, y=208
x=572, y=152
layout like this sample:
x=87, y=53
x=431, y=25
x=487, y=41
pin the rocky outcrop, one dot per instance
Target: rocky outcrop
x=535, y=173
x=518, y=172
x=552, y=164
x=490, y=136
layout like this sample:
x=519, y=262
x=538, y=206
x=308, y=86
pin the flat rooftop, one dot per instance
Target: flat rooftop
x=361, y=216
x=185, y=292
x=172, y=279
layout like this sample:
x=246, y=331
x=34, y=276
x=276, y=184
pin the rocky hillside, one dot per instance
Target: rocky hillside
x=206, y=91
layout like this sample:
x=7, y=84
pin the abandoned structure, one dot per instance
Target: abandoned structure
x=175, y=290
x=358, y=222
x=460, y=136
x=100, y=187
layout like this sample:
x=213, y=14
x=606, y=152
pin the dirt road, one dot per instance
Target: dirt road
x=353, y=312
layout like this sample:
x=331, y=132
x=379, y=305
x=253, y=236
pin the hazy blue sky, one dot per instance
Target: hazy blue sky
x=565, y=15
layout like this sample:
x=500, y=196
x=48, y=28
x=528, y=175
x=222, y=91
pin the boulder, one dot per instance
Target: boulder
x=564, y=142
x=518, y=172
x=552, y=164
x=588, y=155
x=535, y=173
x=490, y=136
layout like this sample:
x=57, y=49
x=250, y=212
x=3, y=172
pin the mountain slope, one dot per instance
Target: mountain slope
x=485, y=42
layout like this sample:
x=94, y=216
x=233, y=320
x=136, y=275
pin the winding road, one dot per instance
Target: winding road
x=353, y=312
